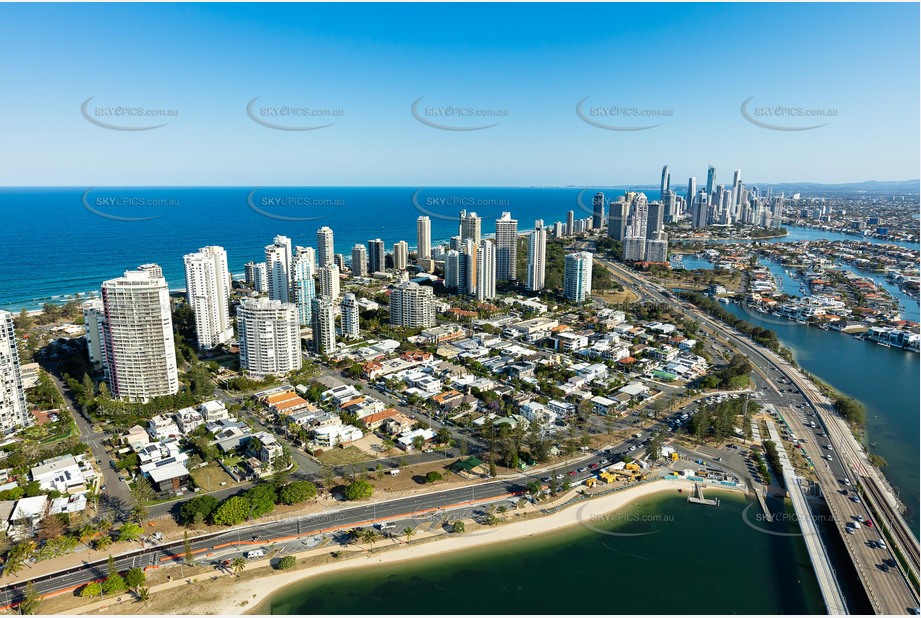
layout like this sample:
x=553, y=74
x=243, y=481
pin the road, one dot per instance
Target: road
x=890, y=592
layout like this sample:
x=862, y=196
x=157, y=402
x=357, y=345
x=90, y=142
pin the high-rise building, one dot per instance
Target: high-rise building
x=278, y=268
x=665, y=185
x=737, y=191
x=249, y=274
x=304, y=285
x=349, y=310
x=325, y=249
x=13, y=412
x=571, y=223
x=400, y=255
x=506, y=248
x=154, y=270
x=617, y=218
x=700, y=210
x=255, y=276
x=270, y=338
x=537, y=256
x=138, y=333
x=469, y=254
x=328, y=281
x=412, y=306
x=94, y=316
x=598, y=211
x=634, y=249
x=655, y=219
x=692, y=191
x=207, y=281
x=359, y=261
x=470, y=225
x=456, y=271
x=711, y=179
x=486, y=270
x=377, y=261
x=638, y=219
x=339, y=261
x=324, y=325
x=657, y=248
x=577, y=277
x=423, y=238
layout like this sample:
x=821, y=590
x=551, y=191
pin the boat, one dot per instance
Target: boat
x=823, y=326
x=801, y=321
x=885, y=344
x=859, y=337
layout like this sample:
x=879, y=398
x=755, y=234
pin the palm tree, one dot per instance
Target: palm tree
x=14, y=564
x=408, y=532
x=238, y=564
x=369, y=536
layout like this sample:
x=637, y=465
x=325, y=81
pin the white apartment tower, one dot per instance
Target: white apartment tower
x=278, y=269
x=328, y=281
x=269, y=337
x=94, y=317
x=400, y=255
x=359, y=261
x=470, y=225
x=412, y=306
x=537, y=256
x=324, y=247
x=324, y=325
x=207, y=280
x=304, y=286
x=506, y=248
x=138, y=336
x=577, y=277
x=486, y=270
x=12, y=395
x=349, y=310
x=423, y=238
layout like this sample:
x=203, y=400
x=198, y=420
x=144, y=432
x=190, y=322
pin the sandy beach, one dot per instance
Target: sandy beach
x=238, y=597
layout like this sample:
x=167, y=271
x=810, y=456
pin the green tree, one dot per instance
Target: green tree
x=31, y=601
x=261, y=499
x=359, y=490
x=113, y=583
x=202, y=506
x=92, y=589
x=187, y=556
x=135, y=578
x=130, y=532
x=231, y=512
x=238, y=564
x=433, y=476
x=143, y=593
x=408, y=532
x=102, y=543
x=286, y=563
x=296, y=492
x=458, y=527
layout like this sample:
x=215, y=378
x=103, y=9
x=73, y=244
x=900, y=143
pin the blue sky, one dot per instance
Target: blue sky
x=696, y=62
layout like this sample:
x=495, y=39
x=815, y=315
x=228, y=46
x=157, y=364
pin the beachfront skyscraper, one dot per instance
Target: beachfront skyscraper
x=207, y=281
x=456, y=271
x=400, y=255
x=617, y=218
x=13, y=411
x=412, y=305
x=486, y=270
x=577, y=276
x=570, y=223
x=423, y=238
x=324, y=247
x=278, y=269
x=377, y=260
x=349, y=310
x=138, y=331
x=470, y=225
x=270, y=337
x=324, y=325
x=598, y=211
x=506, y=248
x=359, y=261
x=537, y=256
x=304, y=285
x=665, y=183
x=94, y=317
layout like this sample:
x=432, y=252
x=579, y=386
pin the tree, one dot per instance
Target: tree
x=135, y=578
x=238, y=564
x=296, y=492
x=113, y=584
x=202, y=506
x=534, y=488
x=458, y=527
x=286, y=563
x=369, y=536
x=50, y=527
x=143, y=594
x=232, y=511
x=359, y=490
x=31, y=601
x=130, y=532
x=102, y=543
x=261, y=499
x=408, y=532
x=93, y=589
x=433, y=476
x=418, y=443
x=491, y=519
x=187, y=556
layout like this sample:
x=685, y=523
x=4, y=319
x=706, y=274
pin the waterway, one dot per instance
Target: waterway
x=688, y=559
x=885, y=380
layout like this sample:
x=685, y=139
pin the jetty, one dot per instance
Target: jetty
x=698, y=497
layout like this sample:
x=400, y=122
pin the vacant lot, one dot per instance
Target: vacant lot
x=343, y=456
x=211, y=476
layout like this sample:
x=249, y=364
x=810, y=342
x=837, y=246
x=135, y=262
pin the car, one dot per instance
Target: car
x=859, y=518
x=546, y=479
x=559, y=477
x=847, y=482
x=103, y=488
x=890, y=562
x=593, y=466
x=881, y=544
x=583, y=469
x=884, y=567
x=869, y=523
x=572, y=473
x=98, y=461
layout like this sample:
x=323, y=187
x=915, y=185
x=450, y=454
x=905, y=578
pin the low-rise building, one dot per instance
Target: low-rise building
x=188, y=420
x=161, y=427
x=334, y=435
x=62, y=474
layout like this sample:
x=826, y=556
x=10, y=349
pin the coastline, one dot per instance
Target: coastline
x=218, y=595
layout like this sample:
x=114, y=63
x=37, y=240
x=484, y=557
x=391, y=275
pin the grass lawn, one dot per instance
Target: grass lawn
x=342, y=456
x=210, y=478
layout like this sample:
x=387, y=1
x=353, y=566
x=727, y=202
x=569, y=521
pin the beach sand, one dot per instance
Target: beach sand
x=237, y=596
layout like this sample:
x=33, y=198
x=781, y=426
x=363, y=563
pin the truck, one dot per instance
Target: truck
x=256, y=553
x=386, y=526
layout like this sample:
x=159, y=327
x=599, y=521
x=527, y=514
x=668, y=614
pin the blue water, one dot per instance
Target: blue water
x=63, y=247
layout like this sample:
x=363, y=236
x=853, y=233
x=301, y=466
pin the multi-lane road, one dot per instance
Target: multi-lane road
x=889, y=588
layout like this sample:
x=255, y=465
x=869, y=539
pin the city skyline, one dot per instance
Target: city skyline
x=413, y=67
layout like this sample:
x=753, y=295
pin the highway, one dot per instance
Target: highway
x=889, y=589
